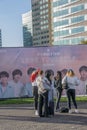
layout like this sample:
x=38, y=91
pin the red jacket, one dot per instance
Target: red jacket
x=34, y=75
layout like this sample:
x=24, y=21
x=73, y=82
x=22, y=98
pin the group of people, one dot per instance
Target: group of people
x=44, y=85
x=43, y=92
x=41, y=86
x=71, y=81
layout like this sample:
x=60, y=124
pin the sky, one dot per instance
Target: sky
x=11, y=21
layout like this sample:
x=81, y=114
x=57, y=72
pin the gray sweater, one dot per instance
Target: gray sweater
x=71, y=81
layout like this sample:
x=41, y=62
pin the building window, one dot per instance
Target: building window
x=77, y=30
x=62, y=42
x=61, y=23
x=61, y=13
x=77, y=19
x=61, y=33
x=77, y=8
x=60, y=3
x=73, y=0
x=76, y=40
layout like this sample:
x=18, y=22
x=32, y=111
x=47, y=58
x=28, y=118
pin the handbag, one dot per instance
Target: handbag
x=65, y=85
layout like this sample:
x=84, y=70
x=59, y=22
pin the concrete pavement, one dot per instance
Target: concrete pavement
x=21, y=117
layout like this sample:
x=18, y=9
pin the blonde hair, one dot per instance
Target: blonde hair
x=70, y=73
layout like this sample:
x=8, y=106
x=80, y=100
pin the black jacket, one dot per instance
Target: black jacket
x=57, y=84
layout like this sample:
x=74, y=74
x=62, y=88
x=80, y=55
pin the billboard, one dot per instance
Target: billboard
x=55, y=58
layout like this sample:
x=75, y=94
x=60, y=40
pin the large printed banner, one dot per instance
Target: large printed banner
x=55, y=58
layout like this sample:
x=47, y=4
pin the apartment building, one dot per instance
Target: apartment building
x=69, y=21
x=42, y=22
x=27, y=29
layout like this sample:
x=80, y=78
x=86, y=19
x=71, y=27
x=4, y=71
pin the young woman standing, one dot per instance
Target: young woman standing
x=71, y=81
x=58, y=86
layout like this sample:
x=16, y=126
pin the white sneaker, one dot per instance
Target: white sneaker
x=36, y=113
x=57, y=110
x=70, y=111
x=76, y=111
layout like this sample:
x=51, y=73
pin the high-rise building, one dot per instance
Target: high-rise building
x=69, y=21
x=42, y=22
x=27, y=29
x=0, y=38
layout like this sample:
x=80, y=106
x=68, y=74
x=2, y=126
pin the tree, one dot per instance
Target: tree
x=84, y=42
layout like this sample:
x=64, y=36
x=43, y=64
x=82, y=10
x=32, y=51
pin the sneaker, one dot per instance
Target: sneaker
x=70, y=111
x=42, y=116
x=36, y=113
x=57, y=110
x=76, y=111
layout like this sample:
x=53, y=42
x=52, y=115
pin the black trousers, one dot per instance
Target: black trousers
x=59, y=93
x=43, y=104
x=35, y=95
x=71, y=94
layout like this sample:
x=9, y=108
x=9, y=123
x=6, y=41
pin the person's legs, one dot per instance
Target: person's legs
x=40, y=106
x=69, y=98
x=46, y=104
x=59, y=93
x=73, y=98
x=35, y=93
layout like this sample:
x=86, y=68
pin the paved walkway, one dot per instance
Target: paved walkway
x=21, y=117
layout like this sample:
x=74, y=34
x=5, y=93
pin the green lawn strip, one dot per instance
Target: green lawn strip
x=82, y=99
x=31, y=100
x=78, y=99
x=17, y=101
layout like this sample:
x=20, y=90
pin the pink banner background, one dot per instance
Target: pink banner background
x=55, y=58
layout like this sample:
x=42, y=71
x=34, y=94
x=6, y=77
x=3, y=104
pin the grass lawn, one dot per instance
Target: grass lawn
x=17, y=101
x=78, y=99
x=31, y=100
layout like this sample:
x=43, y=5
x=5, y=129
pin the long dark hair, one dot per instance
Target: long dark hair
x=47, y=75
x=60, y=75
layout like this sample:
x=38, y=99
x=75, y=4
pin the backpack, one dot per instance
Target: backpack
x=64, y=110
